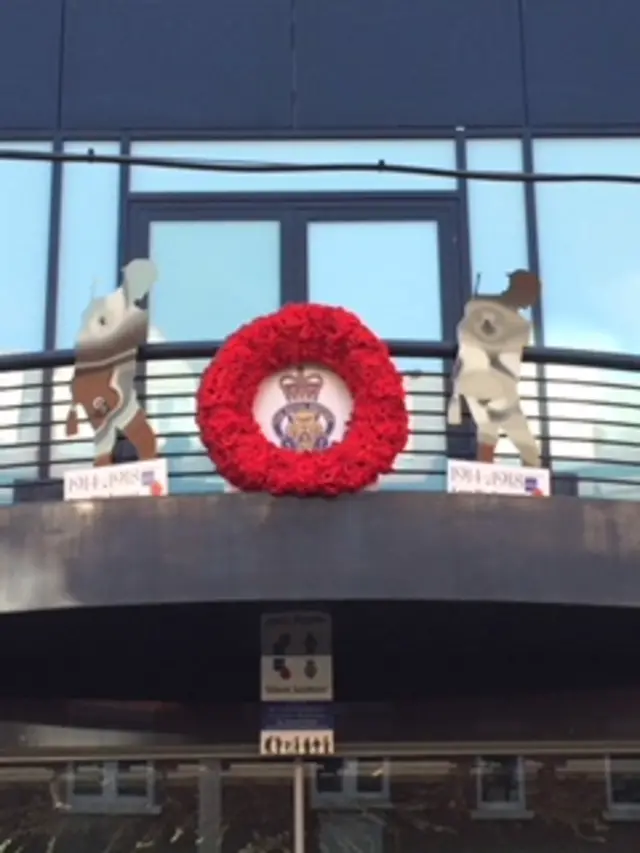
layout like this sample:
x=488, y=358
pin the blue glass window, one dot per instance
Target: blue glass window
x=588, y=236
x=497, y=215
x=87, y=266
x=24, y=223
x=417, y=152
x=590, y=265
x=389, y=273
x=213, y=276
x=88, y=260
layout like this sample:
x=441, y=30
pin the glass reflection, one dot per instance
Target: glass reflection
x=213, y=276
x=623, y=776
x=588, y=244
x=591, y=274
x=434, y=153
x=500, y=783
x=24, y=225
x=466, y=803
x=497, y=216
x=594, y=429
x=119, y=807
x=388, y=273
x=88, y=253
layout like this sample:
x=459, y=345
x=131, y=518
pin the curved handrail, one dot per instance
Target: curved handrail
x=399, y=349
x=586, y=415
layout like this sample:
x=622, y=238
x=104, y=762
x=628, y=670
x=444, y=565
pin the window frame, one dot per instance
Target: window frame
x=110, y=802
x=350, y=796
x=295, y=211
x=501, y=810
x=618, y=811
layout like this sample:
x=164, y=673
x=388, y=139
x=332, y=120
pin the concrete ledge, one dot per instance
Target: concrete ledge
x=385, y=545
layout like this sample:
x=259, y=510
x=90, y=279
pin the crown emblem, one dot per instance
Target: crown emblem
x=303, y=422
x=301, y=387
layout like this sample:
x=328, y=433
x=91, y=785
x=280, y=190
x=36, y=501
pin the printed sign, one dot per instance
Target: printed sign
x=296, y=743
x=296, y=663
x=296, y=729
x=131, y=479
x=493, y=479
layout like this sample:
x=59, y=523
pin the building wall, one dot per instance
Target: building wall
x=309, y=66
x=247, y=806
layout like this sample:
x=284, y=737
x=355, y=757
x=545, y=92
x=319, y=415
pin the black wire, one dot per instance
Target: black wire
x=381, y=166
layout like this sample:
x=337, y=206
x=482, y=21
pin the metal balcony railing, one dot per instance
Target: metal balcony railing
x=584, y=407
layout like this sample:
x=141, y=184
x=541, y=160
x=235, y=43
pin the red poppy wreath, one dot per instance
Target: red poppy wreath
x=300, y=335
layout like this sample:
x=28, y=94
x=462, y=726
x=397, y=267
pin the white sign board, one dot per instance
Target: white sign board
x=493, y=479
x=131, y=479
x=296, y=663
x=296, y=743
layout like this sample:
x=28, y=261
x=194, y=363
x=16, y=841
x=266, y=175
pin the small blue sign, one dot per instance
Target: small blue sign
x=297, y=716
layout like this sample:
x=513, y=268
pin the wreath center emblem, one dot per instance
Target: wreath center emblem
x=305, y=408
x=303, y=422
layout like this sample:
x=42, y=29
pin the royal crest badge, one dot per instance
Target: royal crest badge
x=303, y=422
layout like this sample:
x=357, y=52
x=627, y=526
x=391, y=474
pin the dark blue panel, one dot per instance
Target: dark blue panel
x=168, y=64
x=408, y=63
x=30, y=49
x=583, y=61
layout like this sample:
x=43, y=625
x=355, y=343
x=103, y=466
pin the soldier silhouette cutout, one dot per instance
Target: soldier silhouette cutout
x=103, y=383
x=491, y=337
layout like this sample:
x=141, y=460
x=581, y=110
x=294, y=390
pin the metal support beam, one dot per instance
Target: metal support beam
x=298, y=807
x=210, y=805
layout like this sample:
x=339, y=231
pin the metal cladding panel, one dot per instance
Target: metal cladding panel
x=402, y=63
x=30, y=49
x=376, y=546
x=583, y=62
x=195, y=65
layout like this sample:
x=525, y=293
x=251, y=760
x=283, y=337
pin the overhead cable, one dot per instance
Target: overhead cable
x=258, y=167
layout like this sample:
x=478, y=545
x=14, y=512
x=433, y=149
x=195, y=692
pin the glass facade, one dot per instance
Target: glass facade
x=439, y=154
x=230, y=246
x=25, y=206
x=24, y=219
x=214, y=276
x=453, y=803
x=389, y=274
x=590, y=270
x=88, y=240
x=588, y=255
